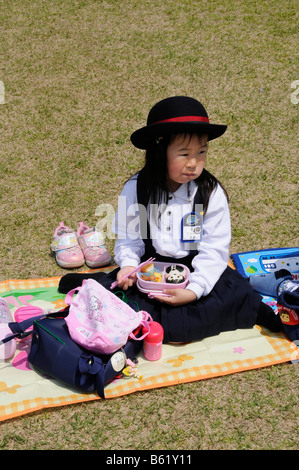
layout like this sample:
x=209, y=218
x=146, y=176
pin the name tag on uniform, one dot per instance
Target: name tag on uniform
x=191, y=227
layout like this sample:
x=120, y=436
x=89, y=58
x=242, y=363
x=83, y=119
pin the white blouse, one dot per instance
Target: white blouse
x=213, y=250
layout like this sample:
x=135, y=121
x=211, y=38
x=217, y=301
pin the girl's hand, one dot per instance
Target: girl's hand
x=129, y=281
x=176, y=297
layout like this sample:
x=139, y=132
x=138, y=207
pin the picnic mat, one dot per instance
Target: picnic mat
x=23, y=390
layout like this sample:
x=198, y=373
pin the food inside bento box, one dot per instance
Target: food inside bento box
x=157, y=276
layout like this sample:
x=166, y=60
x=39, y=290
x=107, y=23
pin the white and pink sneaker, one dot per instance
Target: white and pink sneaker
x=92, y=245
x=66, y=247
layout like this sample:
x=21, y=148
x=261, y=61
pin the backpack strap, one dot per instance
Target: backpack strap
x=18, y=329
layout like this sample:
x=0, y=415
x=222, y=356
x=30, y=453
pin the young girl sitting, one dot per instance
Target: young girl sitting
x=174, y=185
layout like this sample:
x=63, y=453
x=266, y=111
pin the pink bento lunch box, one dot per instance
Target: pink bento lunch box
x=158, y=286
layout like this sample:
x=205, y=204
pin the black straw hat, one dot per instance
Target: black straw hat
x=174, y=115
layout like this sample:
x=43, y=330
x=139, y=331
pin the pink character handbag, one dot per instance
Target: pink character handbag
x=100, y=321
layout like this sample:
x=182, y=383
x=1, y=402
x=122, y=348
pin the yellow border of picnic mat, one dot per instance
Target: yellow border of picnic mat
x=23, y=390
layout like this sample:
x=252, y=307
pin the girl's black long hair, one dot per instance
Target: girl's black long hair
x=155, y=170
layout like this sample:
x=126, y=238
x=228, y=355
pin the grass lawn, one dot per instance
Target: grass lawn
x=76, y=79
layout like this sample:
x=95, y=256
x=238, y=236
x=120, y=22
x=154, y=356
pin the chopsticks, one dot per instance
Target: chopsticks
x=114, y=284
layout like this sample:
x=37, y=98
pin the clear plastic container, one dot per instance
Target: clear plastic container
x=8, y=349
x=5, y=314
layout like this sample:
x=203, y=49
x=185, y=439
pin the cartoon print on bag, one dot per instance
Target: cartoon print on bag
x=95, y=307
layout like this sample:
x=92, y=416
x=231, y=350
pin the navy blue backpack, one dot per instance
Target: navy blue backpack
x=54, y=353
